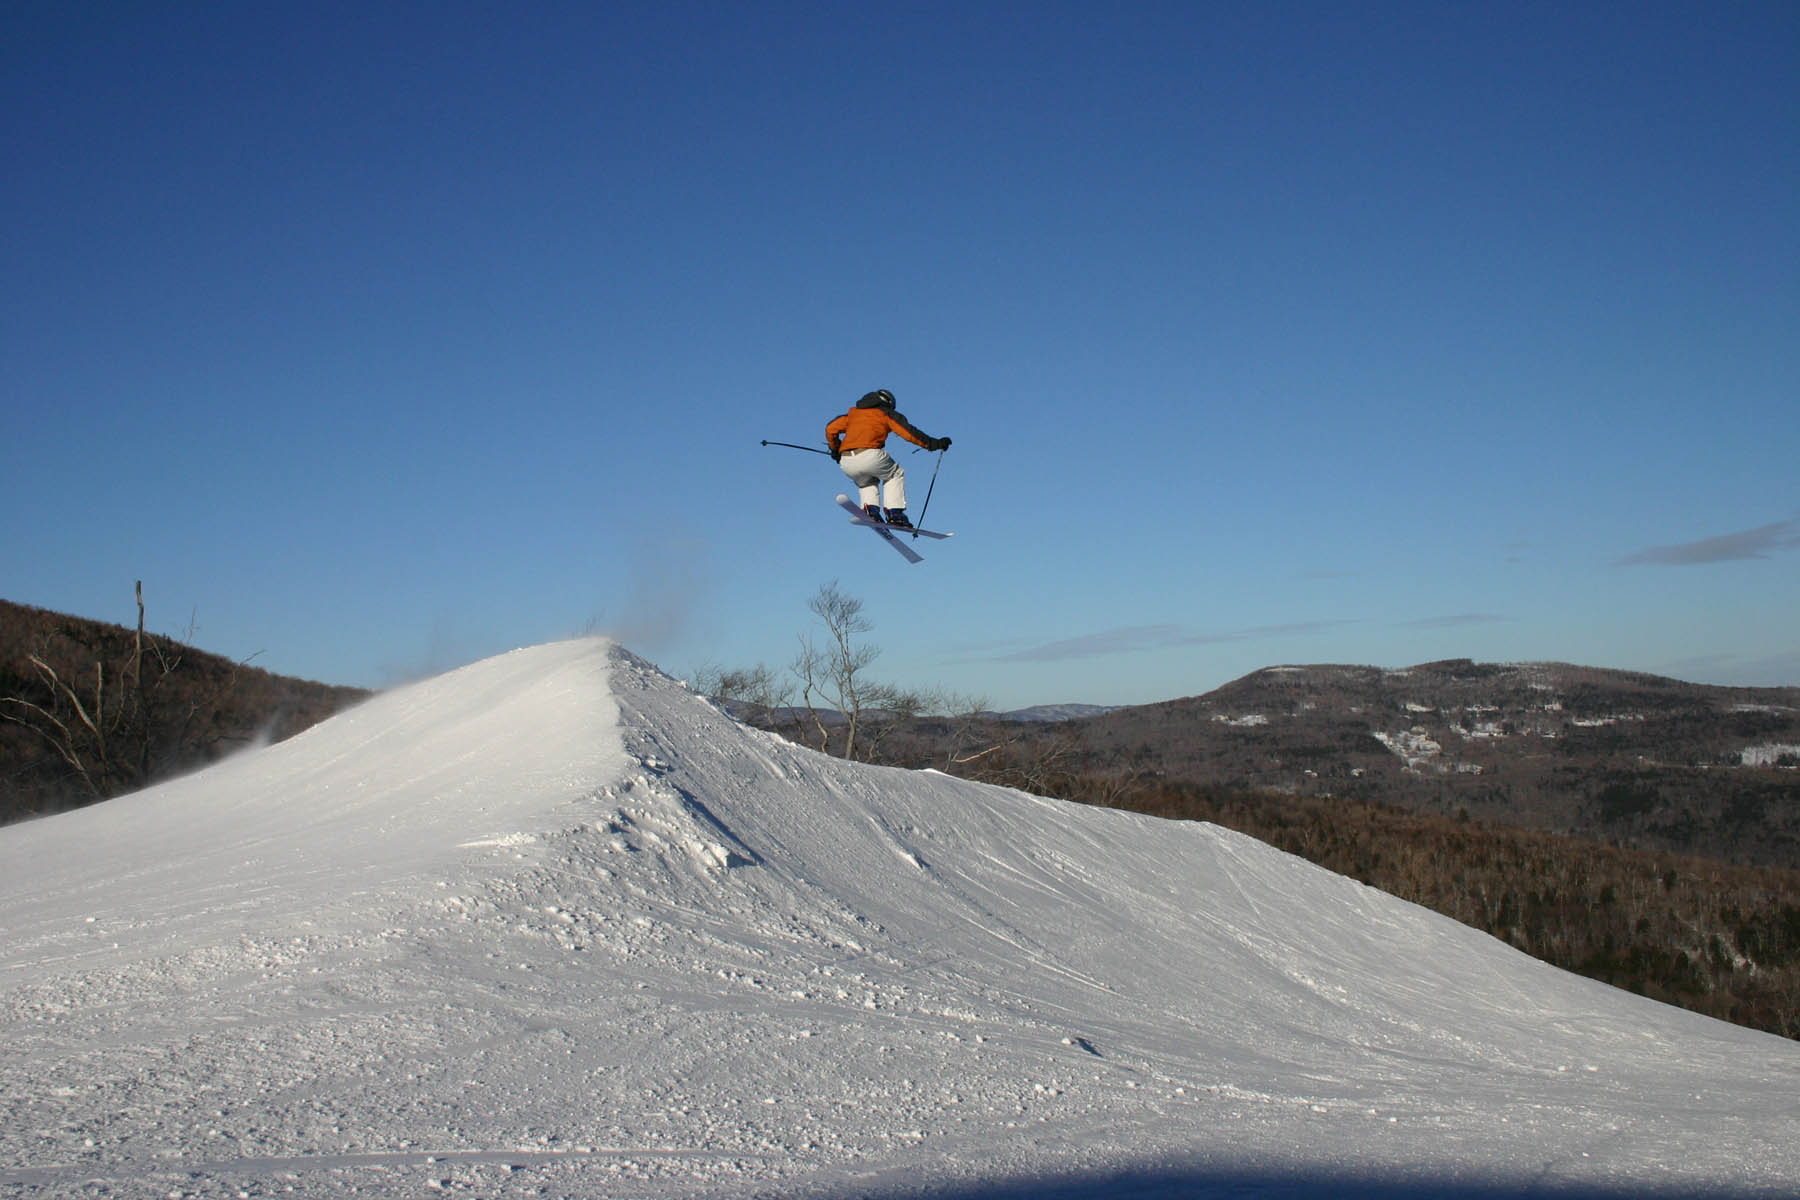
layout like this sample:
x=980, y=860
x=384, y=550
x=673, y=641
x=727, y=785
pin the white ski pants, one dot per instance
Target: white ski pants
x=874, y=472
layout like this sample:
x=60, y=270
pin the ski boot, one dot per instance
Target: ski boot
x=873, y=512
x=897, y=518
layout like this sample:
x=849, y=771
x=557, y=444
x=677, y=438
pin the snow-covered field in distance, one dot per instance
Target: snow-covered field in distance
x=550, y=925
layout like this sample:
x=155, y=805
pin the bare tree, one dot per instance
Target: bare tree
x=887, y=709
x=104, y=728
x=833, y=675
x=756, y=695
x=839, y=707
x=757, y=688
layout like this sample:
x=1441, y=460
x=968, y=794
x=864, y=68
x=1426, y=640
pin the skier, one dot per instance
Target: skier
x=857, y=439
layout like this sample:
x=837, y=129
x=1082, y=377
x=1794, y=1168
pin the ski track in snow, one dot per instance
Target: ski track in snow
x=551, y=925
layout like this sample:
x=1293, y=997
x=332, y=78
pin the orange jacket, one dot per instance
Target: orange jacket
x=868, y=428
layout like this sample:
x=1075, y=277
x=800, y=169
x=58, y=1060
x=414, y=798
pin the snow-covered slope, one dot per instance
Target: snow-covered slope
x=551, y=925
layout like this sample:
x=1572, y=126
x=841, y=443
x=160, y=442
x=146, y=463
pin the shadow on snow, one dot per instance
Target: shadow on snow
x=1204, y=1183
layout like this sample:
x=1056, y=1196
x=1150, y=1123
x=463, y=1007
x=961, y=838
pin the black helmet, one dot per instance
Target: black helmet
x=878, y=399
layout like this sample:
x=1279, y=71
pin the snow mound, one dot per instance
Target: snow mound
x=317, y=822
x=552, y=925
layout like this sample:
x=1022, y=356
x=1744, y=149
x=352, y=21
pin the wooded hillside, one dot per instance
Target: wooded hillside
x=90, y=710
x=1620, y=758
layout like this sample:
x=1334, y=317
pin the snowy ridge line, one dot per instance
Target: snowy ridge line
x=554, y=902
x=1768, y=755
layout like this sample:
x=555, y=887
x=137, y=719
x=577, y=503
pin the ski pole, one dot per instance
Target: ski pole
x=792, y=446
x=928, y=487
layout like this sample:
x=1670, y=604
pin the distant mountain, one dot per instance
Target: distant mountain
x=1636, y=760
x=90, y=710
x=1052, y=712
x=787, y=716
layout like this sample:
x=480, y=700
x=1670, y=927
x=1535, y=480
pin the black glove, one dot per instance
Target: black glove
x=837, y=455
x=941, y=444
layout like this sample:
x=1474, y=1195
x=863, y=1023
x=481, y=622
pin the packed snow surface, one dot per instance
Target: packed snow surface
x=551, y=925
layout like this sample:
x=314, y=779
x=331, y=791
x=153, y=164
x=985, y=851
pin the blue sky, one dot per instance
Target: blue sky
x=377, y=338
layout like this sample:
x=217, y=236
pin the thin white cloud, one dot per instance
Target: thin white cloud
x=1726, y=547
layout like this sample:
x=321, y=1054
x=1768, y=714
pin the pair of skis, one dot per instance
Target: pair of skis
x=889, y=533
